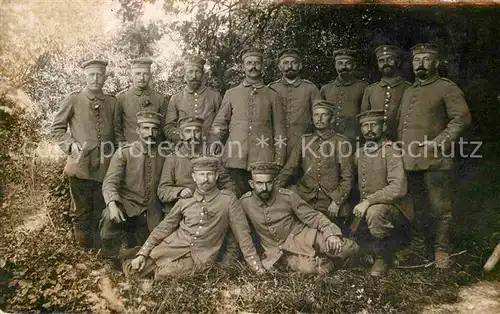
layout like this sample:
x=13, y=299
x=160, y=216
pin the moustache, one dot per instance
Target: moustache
x=370, y=134
x=385, y=66
x=421, y=69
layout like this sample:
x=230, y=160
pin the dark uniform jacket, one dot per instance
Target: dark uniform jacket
x=132, y=181
x=434, y=110
x=92, y=121
x=347, y=97
x=197, y=226
x=386, y=96
x=324, y=163
x=203, y=102
x=382, y=178
x=297, y=99
x=251, y=118
x=286, y=222
x=130, y=102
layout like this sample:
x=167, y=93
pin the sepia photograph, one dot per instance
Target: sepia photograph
x=250, y=156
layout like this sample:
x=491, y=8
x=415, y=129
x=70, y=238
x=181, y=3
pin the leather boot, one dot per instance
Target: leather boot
x=442, y=259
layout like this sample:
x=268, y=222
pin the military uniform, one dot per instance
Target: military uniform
x=433, y=110
x=131, y=181
x=251, y=118
x=286, y=223
x=203, y=102
x=188, y=240
x=92, y=121
x=297, y=99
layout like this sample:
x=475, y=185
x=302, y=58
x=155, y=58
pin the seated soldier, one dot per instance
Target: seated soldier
x=176, y=181
x=323, y=162
x=188, y=240
x=288, y=228
x=383, y=186
x=129, y=189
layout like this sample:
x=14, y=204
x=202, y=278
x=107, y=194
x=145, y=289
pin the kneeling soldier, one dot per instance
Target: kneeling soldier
x=190, y=237
x=129, y=188
x=288, y=227
x=383, y=187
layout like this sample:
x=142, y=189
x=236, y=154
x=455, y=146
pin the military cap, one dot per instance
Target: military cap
x=387, y=50
x=194, y=60
x=149, y=116
x=344, y=54
x=374, y=114
x=252, y=51
x=142, y=62
x=190, y=121
x=289, y=52
x=320, y=103
x=425, y=48
x=94, y=63
x=264, y=167
x=205, y=163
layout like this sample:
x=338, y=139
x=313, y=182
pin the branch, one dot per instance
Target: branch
x=431, y=263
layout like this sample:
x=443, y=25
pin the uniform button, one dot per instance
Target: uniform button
x=201, y=220
x=202, y=214
x=199, y=227
x=319, y=189
x=192, y=244
x=250, y=127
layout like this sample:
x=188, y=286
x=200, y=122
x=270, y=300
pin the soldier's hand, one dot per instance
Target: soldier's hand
x=115, y=213
x=334, y=245
x=75, y=149
x=186, y=193
x=138, y=263
x=333, y=209
x=361, y=208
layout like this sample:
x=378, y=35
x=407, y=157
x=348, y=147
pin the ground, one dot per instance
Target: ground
x=41, y=269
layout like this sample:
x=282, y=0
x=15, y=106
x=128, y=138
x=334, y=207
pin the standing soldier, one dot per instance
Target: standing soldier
x=346, y=92
x=383, y=188
x=129, y=188
x=194, y=100
x=386, y=94
x=324, y=164
x=297, y=96
x=433, y=114
x=92, y=118
x=137, y=98
x=252, y=116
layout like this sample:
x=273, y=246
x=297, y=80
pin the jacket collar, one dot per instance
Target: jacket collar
x=427, y=81
x=324, y=135
x=392, y=82
x=340, y=82
x=372, y=147
x=199, y=90
x=139, y=92
x=295, y=83
x=269, y=202
x=145, y=149
x=259, y=84
x=92, y=96
x=186, y=151
x=207, y=196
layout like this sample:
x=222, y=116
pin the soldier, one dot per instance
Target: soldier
x=139, y=97
x=382, y=187
x=194, y=100
x=129, y=188
x=252, y=116
x=188, y=240
x=386, y=94
x=433, y=114
x=288, y=228
x=297, y=95
x=91, y=117
x=346, y=92
x=176, y=180
x=324, y=161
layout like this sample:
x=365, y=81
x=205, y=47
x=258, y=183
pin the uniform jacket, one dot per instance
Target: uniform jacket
x=436, y=109
x=204, y=103
x=323, y=162
x=251, y=118
x=347, y=97
x=92, y=121
x=197, y=226
x=286, y=222
x=386, y=96
x=176, y=175
x=382, y=178
x=297, y=99
x=130, y=102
